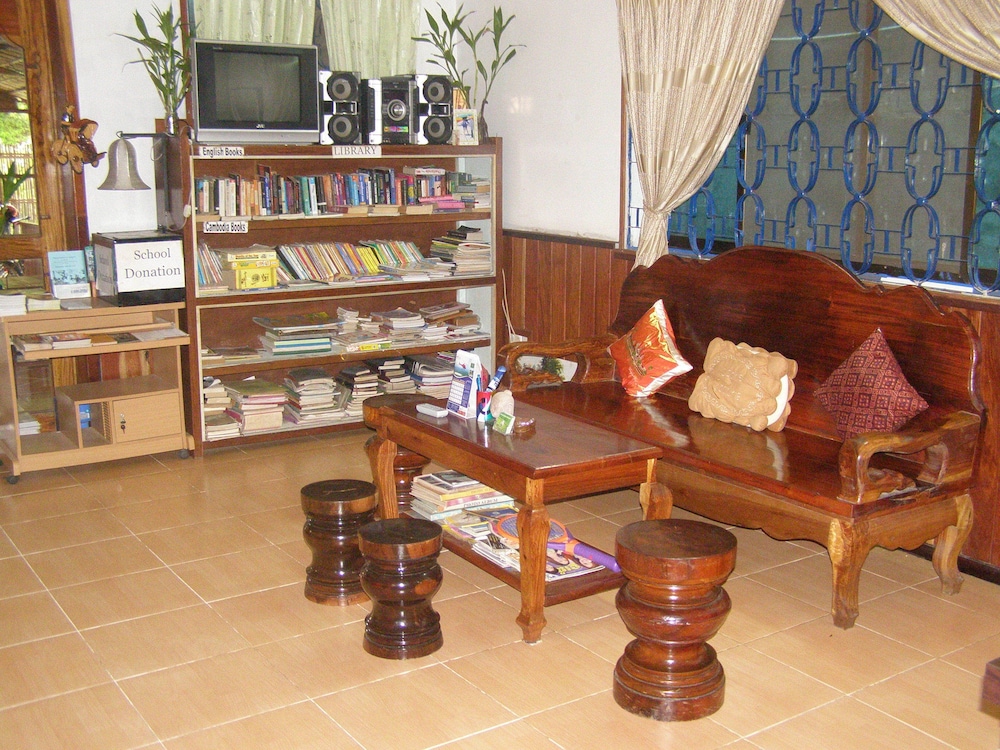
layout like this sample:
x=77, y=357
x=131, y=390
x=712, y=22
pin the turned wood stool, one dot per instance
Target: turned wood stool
x=673, y=602
x=335, y=510
x=401, y=576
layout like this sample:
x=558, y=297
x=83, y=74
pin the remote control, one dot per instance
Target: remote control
x=438, y=412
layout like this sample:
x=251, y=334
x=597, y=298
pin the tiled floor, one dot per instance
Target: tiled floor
x=158, y=603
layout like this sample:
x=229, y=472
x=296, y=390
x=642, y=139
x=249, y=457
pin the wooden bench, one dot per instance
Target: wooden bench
x=803, y=482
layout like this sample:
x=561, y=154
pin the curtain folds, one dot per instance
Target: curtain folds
x=964, y=30
x=372, y=37
x=272, y=21
x=688, y=69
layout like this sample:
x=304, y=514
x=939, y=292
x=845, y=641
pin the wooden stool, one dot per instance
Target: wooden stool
x=401, y=576
x=335, y=509
x=673, y=602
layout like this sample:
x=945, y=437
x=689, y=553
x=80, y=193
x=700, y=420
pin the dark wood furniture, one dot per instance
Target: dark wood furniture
x=991, y=683
x=673, y=602
x=559, y=460
x=401, y=576
x=335, y=510
x=804, y=482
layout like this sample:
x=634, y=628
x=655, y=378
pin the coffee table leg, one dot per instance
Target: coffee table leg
x=533, y=535
x=656, y=500
x=381, y=455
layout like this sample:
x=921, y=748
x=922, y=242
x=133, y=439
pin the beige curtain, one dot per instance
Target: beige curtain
x=688, y=68
x=372, y=37
x=272, y=21
x=964, y=30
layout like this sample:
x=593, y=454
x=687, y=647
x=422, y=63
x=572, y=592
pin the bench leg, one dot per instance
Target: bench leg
x=848, y=547
x=949, y=543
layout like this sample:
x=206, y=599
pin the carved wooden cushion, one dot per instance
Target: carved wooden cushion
x=868, y=392
x=745, y=385
x=647, y=356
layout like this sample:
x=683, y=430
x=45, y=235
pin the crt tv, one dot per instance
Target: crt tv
x=255, y=92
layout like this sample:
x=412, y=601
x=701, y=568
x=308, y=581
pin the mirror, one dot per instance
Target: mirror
x=18, y=207
x=38, y=82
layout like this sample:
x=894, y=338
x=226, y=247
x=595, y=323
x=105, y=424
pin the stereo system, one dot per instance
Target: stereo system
x=392, y=110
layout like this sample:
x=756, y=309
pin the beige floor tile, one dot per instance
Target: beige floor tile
x=37, y=481
x=568, y=512
x=847, y=660
x=453, y=565
x=517, y=734
x=939, y=699
x=577, y=611
x=65, y=531
x=975, y=594
x=597, y=532
x=7, y=548
x=205, y=693
x=282, y=612
x=453, y=585
x=756, y=551
x=473, y=623
x=811, y=580
x=278, y=526
x=899, y=565
x=90, y=562
x=236, y=476
x=758, y=611
x=30, y=617
x=125, y=467
x=633, y=515
x=761, y=692
x=40, y=669
x=973, y=658
x=111, y=600
x=844, y=723
x=598, y=723
x=95, y=718
x=606, y=637
x=170, y=512
x=581, y=673
x=144, y=644
x=929, y=623
x=55, y=502
x=17, y=577
x=608, y=503
x=240, y=573
x=428, y=706
x=220, y=536
x=241, y=500
x=117, y=491
x=302, y=727
x=332, y=660
x=298, y=551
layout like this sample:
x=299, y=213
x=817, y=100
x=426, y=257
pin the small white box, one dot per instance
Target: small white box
x=143, y=267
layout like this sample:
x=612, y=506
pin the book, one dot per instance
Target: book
x=28, y=342
x=67, y=340
x=68, y=273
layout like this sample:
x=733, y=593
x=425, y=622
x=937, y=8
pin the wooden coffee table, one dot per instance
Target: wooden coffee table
x=560, y=459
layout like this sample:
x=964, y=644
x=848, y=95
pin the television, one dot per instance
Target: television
x=248, y=92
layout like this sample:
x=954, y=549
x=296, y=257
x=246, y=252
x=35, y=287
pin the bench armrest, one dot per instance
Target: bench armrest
x=950, y=446
x=591, y=355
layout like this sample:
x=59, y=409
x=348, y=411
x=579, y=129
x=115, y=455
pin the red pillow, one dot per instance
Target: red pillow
x=868, y=391
x=647, y=356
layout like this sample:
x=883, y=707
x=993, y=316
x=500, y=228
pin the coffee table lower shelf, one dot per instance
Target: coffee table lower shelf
x=556, y=592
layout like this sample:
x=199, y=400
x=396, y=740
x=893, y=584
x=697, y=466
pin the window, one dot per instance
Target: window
x=859, y=143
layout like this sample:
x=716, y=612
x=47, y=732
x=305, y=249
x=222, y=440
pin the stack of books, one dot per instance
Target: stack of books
x=399, y=319
x=258, y=404
x=314, y=396
x=447, y=493
x=392, y=377
x=249, y=268
x=13, y=304
x=219, y=426
x=362, y=383
x=214, y=396
x=307, y=333
x=431, y=375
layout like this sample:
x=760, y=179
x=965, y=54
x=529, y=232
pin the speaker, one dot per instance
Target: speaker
x=433, y=103
x=343, y=108
x=391, y=117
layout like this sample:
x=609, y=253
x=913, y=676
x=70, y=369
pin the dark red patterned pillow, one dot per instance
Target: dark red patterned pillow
x=868, y=392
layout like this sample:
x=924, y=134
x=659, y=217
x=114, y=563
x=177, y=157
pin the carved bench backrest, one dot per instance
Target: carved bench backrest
x=811, y=310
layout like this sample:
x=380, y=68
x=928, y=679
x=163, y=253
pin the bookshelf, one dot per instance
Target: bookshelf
x=89, y=406
x=223, y=319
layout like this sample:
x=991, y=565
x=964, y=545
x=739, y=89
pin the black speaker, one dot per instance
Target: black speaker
x=391, y=117
x=343, y=108
x=433, y=104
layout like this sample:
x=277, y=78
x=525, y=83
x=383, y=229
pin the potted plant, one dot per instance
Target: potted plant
x=165, y=60
x=447, y=37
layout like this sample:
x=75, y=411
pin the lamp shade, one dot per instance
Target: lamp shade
x=122, y=173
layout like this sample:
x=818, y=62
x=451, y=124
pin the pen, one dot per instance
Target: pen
x=497, y=377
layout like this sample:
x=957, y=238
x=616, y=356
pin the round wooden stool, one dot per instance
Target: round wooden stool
x=673, y=602
x=401, y=576
x=335, y=509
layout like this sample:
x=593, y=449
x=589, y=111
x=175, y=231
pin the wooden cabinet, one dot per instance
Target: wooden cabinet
x=224, y=321
x=110, y=414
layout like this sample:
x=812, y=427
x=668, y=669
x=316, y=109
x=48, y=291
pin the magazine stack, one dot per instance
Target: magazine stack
x=448, y=493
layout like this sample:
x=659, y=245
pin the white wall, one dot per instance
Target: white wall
x=557, y=107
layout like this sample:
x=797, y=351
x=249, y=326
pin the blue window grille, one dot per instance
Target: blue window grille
x=859, y=143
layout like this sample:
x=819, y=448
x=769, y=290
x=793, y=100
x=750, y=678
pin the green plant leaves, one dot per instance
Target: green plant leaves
x=164, y=59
